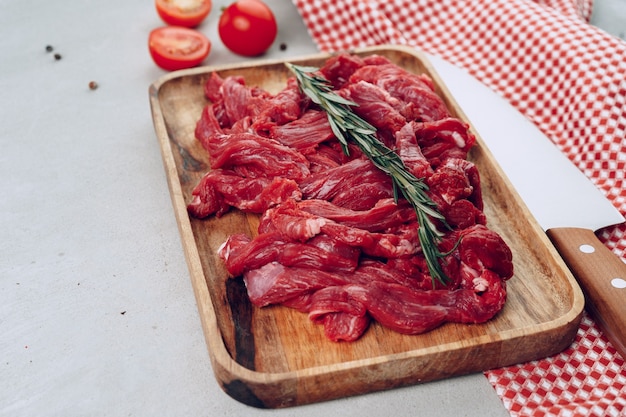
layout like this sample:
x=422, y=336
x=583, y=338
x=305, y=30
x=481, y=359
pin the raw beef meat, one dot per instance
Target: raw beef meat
x=333, y=240
x=388, y=296
x=253, y=156
x=418, y=101
x=356, y=185
x=305, y=133
x=221, y=189
x=444, y=138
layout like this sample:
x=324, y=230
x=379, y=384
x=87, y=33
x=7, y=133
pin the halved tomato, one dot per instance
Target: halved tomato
x=174, y=47
x=187, y=13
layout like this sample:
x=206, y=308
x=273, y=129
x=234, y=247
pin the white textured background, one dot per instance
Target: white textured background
x=610, y=15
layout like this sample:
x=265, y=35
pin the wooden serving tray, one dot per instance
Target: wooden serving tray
x=275, y=357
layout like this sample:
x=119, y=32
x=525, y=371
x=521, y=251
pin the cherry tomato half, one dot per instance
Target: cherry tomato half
x=173, y=47
x=187, y=13
x=247, y=27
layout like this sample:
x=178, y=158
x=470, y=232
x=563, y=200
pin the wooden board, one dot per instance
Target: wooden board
x=275, y=357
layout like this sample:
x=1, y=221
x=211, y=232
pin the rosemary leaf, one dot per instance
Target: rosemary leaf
x=347, y=125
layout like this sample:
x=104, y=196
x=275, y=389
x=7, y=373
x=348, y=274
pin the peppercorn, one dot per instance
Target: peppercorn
x=49, y=48
x=57, y=56
x=93, y=85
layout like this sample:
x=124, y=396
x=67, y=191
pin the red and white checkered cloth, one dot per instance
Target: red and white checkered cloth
x=567, y=77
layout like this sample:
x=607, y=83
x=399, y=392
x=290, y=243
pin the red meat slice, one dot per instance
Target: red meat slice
x=455, y=187
x=212, y=87
x=338, y=69
x=462, y=214
x=208, y=126
x=344, y=327
x=456, y=179
x=384, y=245
x=443, y=139
x=400, y=309
x=219, y=189
x=383, y=215
x=376, y=106
x=320, y=253
x=305, y=133
x=240, y=101
x=326, y=157
x=343, y=317
x=357, y=185
x=411, y=154
x=234, y=102
x=483, y=249
x=274, y=283
x=284, y=107
x=241, y=253
x=298, y=225
x=254, y=156
x=419, y=101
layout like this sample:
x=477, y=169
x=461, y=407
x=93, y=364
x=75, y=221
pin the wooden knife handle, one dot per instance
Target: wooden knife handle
x=601, y=275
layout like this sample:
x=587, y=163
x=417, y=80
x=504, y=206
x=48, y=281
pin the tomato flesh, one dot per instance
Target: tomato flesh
x=173, y=48
x=247, y=27
x=187, y=13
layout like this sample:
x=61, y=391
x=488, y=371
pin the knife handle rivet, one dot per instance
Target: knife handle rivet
x=618, y=283
x=586, y=249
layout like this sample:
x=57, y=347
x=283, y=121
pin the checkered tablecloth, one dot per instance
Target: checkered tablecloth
x=567, y=77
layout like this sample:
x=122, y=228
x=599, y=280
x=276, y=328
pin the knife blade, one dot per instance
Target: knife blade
x=565, y=203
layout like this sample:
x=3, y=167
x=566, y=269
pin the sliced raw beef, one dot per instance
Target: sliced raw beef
x=240, y=101
x=320, y=253
x=221, y=189
x=343, y=327
x=376, y=106
x=385, y=214
x=456, y=179
x=384, y=294
x=305, y=133
x=339, y=68
x=343, y=317
x=284, y=107
x=443, y=139
x=274, y=283
x=253, y=156
x=208, y=126
x=482, y=249
x=357, y=185
x=335, y=241
x=300, y=226
x=419, y=101
x=411, y=154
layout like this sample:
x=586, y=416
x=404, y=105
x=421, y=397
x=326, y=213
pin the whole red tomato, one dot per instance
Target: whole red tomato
x=247, y=27
x=174, y=47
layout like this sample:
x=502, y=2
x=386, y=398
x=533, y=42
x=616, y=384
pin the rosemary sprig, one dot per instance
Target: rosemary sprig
x=347, y=125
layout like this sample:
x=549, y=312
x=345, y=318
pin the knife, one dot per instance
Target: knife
x=562, y=199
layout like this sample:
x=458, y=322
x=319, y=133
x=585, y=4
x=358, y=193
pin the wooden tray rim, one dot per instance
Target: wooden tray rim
x=219, y=355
